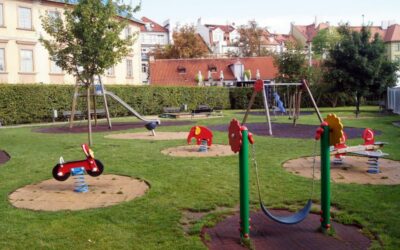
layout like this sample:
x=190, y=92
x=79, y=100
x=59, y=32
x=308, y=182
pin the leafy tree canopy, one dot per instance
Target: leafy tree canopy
x=325, y=40
x=187, y=44
x=358, y=64
x=291, y=63
x=250, y=40
x=87, y=39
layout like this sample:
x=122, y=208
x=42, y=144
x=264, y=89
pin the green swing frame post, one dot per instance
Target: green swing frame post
x=325, y=180
x=244, y=187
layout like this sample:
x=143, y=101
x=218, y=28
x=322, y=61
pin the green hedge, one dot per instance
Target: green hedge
x=28, y=103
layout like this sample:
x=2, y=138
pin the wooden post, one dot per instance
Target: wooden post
x=312, y=100
x=252, y=99
x=73, y=108
x=88, y=114
x=267, y=110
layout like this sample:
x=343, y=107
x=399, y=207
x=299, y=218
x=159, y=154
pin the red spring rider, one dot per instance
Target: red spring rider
x=201, y=134
x=368, y=136
x=93, y=167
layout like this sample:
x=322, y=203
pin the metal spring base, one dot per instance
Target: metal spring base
x=338, y=160
x=79, y=177
x=203, y=146
x=373, y=165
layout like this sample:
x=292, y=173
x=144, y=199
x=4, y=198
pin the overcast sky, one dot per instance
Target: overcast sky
x=276, y=15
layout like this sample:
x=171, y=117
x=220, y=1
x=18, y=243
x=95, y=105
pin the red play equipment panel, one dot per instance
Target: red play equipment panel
x=93, y=167
x=200, y=133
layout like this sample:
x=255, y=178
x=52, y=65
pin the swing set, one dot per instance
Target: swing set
x=294, y=99
x=329, y=133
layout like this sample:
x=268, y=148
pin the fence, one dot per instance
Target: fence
x=393, y=99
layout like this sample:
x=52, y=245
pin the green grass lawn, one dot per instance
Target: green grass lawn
x=181, y=184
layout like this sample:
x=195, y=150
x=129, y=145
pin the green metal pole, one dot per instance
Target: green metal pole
x=325, y=180
x=244, y=187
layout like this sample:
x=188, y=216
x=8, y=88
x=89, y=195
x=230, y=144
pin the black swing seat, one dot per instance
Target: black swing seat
x=291, y=219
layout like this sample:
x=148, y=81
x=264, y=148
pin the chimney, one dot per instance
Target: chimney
x=384, y=25
x=315, y=22
x=199, y=21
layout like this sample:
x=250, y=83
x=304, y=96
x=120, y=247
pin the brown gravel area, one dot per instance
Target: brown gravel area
x=266, y=234
x=353, y=170
x=52, y=195
x=148, y=136
x=4, y=157
x=192, y=151
x=103, y=127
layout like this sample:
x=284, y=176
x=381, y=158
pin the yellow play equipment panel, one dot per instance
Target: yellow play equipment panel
x=336, y=129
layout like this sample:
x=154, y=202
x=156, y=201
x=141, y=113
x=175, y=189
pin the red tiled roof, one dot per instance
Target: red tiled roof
x=392, y=33
x=225, y=28
x=155, y=26
x=310, y=31
x=164, y=72
x=374, y=29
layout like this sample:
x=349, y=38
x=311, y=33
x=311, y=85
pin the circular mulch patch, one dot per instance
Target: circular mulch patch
x=148, y=136
x=353, y=170
x=266, y=234
x=52, y=195
x=396, y=123
x=4, y=157
x=193, y=151
x=82, y=128
x=287, y=130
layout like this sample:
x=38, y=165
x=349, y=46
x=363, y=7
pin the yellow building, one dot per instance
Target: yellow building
x=24, y=60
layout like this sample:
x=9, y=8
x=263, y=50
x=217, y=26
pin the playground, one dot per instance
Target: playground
x=145, y=198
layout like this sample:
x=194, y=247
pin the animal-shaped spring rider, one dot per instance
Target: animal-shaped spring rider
x=203, y=137
x=92, y=166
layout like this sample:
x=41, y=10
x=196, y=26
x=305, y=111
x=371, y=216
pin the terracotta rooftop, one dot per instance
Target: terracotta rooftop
x=165, y=71
x=310, y=31
x=155, y=27
x=392, y=33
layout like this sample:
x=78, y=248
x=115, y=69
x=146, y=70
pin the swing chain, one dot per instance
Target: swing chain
x=254, y=161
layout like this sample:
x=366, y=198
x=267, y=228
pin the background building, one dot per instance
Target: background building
x=24, y=60
x=152, y=35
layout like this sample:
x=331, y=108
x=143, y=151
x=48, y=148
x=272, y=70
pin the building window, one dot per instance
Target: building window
x=54, y=68
x=111, y=71
x=24, y=18
x=129, y=68
x=144, y=68
x=1, y=15
x=128, y=31
x=181, y=70
x=26, y=61
x=398, y=47
x=2, y=61
x=397, y=59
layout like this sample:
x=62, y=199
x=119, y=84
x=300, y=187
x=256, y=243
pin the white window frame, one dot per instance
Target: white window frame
x=3, y=59
x=22, y=69
x=110, y=71
x=2, y=15
x=23, y=25
x=129, y=68
x=54, y=68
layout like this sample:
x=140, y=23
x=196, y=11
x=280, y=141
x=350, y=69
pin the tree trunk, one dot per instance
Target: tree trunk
x=88, y=116
x=358, y=97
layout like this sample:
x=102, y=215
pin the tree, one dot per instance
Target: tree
x=250, y=40
x=88, y=40
x=325, y=40
x=187, y=44
x=356, y=63
x=291, y=64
